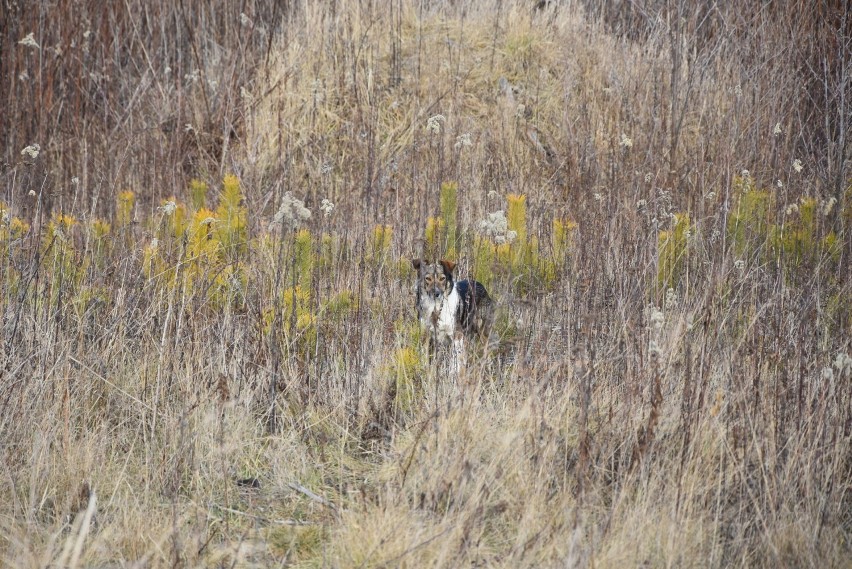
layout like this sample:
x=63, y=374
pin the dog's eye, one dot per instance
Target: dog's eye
x=428, y=280
x=442, y=278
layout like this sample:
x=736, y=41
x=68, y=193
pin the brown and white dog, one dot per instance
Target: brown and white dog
x=449, y=309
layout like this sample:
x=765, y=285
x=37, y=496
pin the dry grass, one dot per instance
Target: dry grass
x=667, y=391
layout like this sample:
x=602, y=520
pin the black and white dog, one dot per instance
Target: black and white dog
x=449, y=309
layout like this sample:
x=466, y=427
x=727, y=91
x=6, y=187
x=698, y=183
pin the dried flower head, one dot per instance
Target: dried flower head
x=463, y=140
x=829, y=205
x=739, y=265
x=168, y=208
x=657, y=318
x=327, y=207
x=843, y=364
x=29, y=41
x=433, y=124
x=291, y=213
x=777, y=130
x=32, y=151
x=626, y=141
x=797, y=165
x=671, y=299
x=496, y=227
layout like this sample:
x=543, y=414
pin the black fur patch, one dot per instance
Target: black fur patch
x=474, y=301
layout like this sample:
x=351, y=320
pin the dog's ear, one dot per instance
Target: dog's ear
x=416, y=264
x=449, y=266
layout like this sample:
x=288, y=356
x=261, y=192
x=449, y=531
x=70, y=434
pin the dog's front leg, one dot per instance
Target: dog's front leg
x=459, y=359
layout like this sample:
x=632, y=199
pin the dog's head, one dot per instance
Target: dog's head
x=435, y=280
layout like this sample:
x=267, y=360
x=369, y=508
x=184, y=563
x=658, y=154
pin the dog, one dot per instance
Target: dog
x=449, y=309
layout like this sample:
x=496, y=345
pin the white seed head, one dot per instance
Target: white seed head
x=433, y=124
x=496, y=227
x=671, y=299
x=657, y=318
x=29, y=41
x=797, y=165
x=463, y=140
x=32, y=151
x=291, y=213
x=777, y=130
x=327, y=207
x=626, y=141
x=843, y=364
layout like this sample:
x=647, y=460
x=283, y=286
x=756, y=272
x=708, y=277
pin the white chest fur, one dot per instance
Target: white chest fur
x=438, y=316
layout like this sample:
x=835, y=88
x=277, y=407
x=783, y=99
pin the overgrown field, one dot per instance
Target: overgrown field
x=210, y=355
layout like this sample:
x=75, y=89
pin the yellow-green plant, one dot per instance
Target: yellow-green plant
x=229, y=286
x=11, y=227
x=304, y=256
x=434, y=236
x=124, y=208
x=150, y=258
x=202, y=247
x=340, y=305
x=298, y=323
x=58, y=247
x=799, y=240
x=484, y=260
x=380, y=243
x=176, y=218
x=749, y=222
x=673, y=247
x=508, y=250
x=197, y=193
x=100, y=232
x=406, y=365
x=564, y=236
x=232, y=226
x=517, y=216
x=449, y=214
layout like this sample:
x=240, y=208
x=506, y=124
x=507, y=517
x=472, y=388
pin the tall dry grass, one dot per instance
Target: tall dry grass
x=671, y=391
